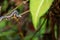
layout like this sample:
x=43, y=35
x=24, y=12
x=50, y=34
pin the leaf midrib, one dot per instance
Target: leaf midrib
x=39, y=7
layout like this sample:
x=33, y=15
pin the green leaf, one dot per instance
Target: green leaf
x=2, y=23
x=55, y=31
x=4, y=5
x=7, y=33
x=35, y=38
x=43, y=28
x=20, y=9
x=38, y=8
x=28, y=37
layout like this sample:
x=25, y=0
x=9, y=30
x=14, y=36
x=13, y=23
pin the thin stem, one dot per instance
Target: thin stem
x=25, y=12
x=38, y=29
x=13, y=9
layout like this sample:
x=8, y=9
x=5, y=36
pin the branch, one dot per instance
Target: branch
x=25, y=12
x=20, y=15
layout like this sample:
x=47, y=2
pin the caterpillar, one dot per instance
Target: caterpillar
x=14, y=12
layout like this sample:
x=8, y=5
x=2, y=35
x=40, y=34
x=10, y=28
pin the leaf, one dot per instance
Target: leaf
x=7, y=33
x=38, y=8
x=4, y=5
x=3, y=23
x=35, y=38
x=55, y=31
x=20, y=9
x=43, y=28
x=28, y=37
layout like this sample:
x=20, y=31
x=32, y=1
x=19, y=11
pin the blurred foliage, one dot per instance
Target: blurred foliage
x=4, y=5
x=10, y=29
x=3, y=23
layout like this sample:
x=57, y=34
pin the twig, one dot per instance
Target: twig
x=13, y=9
x=16, y=13
x=25, y=12
x=38, y=29
x=20, y=15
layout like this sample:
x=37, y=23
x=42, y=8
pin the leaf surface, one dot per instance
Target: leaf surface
x=38, y=8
